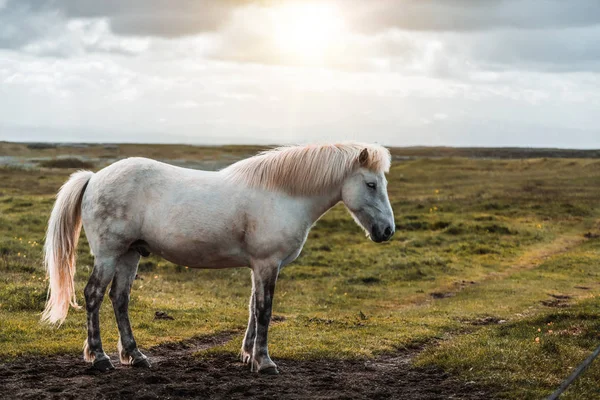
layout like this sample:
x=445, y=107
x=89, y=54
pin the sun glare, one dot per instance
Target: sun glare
x=306, y=31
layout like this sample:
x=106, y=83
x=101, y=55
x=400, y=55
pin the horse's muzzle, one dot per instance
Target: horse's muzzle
x=381, y=235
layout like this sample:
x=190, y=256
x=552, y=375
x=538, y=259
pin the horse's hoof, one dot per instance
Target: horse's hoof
x=269, y=371
x=103, y=365
x=142, y=363
x=245, y=358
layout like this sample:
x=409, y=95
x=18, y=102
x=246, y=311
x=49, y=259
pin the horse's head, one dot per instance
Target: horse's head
x=365, y=195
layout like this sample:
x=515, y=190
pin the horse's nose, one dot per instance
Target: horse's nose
x=388, y=233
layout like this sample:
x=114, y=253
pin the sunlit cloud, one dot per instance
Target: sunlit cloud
x=307, y=30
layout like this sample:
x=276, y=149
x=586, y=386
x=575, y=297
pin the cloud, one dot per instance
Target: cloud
x=448, y=38
x=453, y=55
x=402, y=72
x=566, y=49
x=19, y=24
x=169, y=25
x=163, y=18
x=469, y=15
x=43, y=25
x=80, y=37
x=151, y=98
x=160, y=18
x=560, y=38
x=251, y=36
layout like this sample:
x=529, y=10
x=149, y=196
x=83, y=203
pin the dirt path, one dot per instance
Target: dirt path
x=538, y=254
x=177, y=374
x=531, y=259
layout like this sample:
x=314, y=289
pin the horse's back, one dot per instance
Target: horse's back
x=140, y=171
x=118, y=197
x=119, y=186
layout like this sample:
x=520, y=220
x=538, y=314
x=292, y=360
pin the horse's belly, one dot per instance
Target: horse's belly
x=203, y=255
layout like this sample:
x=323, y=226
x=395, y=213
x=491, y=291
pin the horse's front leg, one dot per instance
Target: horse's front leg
x=248, y=344
x=264, y=276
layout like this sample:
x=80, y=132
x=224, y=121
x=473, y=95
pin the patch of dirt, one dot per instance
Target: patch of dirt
x=441, y=295
x=582, y=287
x=557, y=303
x=561, y=296
x=573, y=331
x=176, y=374
x=463, y=283
x=277, y=318
x=187, y=347
x=488, y=321
x=162, y=315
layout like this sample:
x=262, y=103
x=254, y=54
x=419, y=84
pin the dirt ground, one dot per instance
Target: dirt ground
x=176, y=374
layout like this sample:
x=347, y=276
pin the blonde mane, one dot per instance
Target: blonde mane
x=307, y=170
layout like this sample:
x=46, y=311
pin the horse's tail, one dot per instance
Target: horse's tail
x=62, y=236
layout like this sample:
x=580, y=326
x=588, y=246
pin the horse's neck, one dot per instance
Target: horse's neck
x=319, y=205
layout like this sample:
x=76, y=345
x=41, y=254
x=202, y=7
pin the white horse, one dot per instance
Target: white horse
x=256, y=213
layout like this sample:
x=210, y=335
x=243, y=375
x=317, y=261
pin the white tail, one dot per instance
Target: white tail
x=62, y=236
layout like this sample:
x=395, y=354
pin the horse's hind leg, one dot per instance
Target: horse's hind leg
x=129, y=354
x=104, y=270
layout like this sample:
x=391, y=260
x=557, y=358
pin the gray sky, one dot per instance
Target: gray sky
x=402, y=72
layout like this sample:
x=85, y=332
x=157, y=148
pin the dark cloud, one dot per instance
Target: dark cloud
x=153, y=17
x=115, y=8
x=164, y=18
x=470, y=15
x=168, y=26
x=19, y=24
x=24, y=21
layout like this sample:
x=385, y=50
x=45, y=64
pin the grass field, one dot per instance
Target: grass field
x=493, y=272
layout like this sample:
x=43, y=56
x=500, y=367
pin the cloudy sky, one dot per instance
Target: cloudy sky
x=402, y=72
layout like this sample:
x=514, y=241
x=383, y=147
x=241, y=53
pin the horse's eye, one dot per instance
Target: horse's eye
x=372, y=185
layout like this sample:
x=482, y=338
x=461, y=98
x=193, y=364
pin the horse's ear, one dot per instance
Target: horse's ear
x=363, y=157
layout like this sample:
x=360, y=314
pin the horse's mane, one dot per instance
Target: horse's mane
x=307, y=170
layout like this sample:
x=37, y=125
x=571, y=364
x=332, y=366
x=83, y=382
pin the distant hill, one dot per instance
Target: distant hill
x=492, y=152
x=111, y=151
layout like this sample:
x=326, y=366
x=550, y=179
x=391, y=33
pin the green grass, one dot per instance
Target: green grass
x=539, y=346
x=476, y=239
